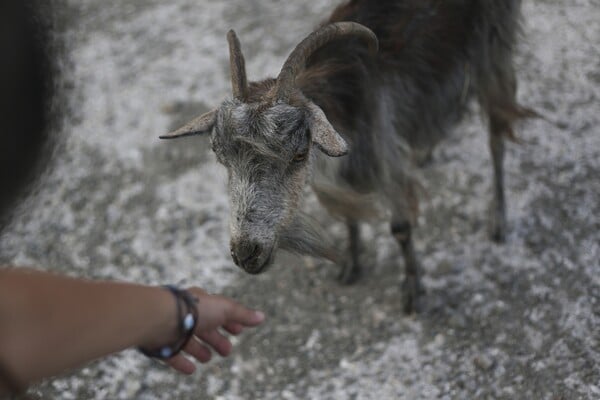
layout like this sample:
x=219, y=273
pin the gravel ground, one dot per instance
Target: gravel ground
x=513, y=321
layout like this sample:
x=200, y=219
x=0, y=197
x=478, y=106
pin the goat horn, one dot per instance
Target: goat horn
x=317, y=39
x=237, y=64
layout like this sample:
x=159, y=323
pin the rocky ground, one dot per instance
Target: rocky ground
x=513, y=321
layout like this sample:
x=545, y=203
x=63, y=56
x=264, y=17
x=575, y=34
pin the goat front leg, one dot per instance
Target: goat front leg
x=351, y=269
x=498, y=205
x=412, y=288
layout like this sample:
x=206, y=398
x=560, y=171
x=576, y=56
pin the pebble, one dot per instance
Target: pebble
x=483, y=362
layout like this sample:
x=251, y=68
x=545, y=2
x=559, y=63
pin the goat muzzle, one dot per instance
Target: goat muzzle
x=250, y=256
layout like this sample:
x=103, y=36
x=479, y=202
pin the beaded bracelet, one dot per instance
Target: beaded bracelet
x=187, y=315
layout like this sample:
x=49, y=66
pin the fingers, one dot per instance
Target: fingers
x=233, y=328
x=237, y=313
x=199, y=351
x=221, y=311
x=217, y=341
x=181, y=364
x=214, y=312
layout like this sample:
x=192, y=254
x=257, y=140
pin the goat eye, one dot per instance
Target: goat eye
x=301, y=156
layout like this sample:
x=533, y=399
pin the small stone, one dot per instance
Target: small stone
x=457, y=321
x=483, y=362
x=439, y=340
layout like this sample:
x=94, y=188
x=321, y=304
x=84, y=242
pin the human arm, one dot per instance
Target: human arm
x=51, y=323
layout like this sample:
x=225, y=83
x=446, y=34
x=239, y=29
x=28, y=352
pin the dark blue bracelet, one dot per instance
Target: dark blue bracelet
x=187, y=317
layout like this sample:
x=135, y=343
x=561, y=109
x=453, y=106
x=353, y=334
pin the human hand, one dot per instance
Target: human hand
x=214, y=312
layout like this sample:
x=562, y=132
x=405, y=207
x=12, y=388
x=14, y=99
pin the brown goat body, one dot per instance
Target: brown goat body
x=385, y=112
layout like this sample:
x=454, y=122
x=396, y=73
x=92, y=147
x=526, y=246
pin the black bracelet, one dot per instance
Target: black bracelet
x=187, y=317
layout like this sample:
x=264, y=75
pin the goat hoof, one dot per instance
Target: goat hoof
x=349, y=274
x=498, y=229
x=497, y=224
x=412, y=291
x=498, y=236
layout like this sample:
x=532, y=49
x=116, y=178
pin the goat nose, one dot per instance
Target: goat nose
x=244, y=254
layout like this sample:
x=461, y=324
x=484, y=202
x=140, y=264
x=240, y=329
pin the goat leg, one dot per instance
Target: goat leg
x=412, y=288
x=350, y=268
x=498, y=205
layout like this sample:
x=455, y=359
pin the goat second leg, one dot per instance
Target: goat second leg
x=412, y=288
x=497, y=96
x=350, y=269
x=499, y=127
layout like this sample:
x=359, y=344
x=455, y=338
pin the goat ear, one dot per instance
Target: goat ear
x=197, y=126
x=324, y=135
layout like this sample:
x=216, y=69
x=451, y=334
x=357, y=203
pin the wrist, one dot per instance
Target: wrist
x=186, y=318
x=163, y=323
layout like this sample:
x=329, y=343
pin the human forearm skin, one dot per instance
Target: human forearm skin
x=49, y=323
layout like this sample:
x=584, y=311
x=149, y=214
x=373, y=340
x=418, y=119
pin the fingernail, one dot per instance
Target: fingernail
x=260, y=315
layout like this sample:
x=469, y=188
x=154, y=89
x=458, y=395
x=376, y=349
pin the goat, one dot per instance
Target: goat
x=379, y=83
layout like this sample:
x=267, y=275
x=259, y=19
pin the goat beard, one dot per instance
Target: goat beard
x=305, y=236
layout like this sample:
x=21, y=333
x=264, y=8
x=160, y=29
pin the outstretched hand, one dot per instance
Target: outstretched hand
x=92, y=319
x=214, y=313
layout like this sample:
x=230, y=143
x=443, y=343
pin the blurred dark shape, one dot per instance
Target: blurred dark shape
x=26, y=88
